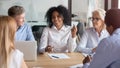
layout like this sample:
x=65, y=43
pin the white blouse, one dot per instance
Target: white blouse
x=61, y=40
x=90, y=40
x=16, y=59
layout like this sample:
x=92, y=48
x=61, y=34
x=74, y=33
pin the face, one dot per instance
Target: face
x=57, y=19
x=96, y=20
x=20, y=19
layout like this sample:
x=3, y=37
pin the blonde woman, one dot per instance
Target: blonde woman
x=9, y=56
x=92, y=36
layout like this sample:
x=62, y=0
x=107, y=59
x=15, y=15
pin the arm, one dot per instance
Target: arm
x=82, y=45
x=71, y=44
x=30, y=36
x=43, y=40
x=23, y=64
x=72, y=40
x=102, y=57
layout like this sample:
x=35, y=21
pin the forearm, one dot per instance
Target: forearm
x=72, y=44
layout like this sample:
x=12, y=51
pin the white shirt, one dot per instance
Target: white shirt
x=107, y=51
x=90, y=40
x=16, y=59
x=61, y=40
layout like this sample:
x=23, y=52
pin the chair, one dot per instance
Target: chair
x=37, y=32
x=80, y=30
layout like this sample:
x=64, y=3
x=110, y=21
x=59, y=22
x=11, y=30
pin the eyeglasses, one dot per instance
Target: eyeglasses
x=92, y=19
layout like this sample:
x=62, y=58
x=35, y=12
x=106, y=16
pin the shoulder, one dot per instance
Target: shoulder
x=105, y=43
x=26, y=25
x=67, y=27
x=89, y=30
x=16, y=59
x=17, y=53
x=46, y=29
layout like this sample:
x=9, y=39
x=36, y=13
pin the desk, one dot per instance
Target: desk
x=45, y=61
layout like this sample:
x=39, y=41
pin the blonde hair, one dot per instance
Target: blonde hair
x=7, y=33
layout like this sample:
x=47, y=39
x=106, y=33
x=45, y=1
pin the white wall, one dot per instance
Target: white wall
x=84, y=8
x=119, y=4
x=80, y=7
x=35, y=9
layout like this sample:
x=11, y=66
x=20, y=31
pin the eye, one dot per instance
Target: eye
x=92, y=19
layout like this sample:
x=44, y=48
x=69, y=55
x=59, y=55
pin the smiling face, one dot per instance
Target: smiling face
x=20, y=19
x=97, y=21
x=57, y=19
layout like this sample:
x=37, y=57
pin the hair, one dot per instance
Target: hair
x=7, y=33
x=113, y=18
x=101, y=13
x=15, y=10
x=62, y=11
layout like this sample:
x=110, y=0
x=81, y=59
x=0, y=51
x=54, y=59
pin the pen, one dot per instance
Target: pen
x=55, y=56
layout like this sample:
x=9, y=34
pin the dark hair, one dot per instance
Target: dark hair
x=113, y=18
x=62, y=11
x=15, y=10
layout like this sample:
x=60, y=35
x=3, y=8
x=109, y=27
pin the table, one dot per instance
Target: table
x=44, y=61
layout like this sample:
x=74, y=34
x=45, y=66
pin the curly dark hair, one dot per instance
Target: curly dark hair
x=62, y=11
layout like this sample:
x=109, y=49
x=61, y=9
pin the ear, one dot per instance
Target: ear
x=110, y=29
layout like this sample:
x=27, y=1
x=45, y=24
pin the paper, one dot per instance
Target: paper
x=58, y=56
x=77, y=66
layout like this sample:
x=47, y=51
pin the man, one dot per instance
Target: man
x=24, y=32
x=108, y=50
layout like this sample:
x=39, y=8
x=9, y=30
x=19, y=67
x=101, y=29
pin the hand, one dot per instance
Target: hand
x=49, y=49
x=94, y=50
x=74, y=31
x=87, y=59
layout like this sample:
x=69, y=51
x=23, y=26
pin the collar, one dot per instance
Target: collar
x=102, y=32
x=62, y=29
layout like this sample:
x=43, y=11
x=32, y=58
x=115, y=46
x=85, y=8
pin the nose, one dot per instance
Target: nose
x=94, y=21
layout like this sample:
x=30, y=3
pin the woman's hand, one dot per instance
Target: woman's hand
x=49, y=49
x=74, y=31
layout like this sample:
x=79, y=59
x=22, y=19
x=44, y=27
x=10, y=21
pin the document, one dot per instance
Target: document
x=58, y=56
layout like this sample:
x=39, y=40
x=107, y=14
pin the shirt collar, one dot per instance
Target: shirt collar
x=62, y=29
x=102, y=32
x=20, y=27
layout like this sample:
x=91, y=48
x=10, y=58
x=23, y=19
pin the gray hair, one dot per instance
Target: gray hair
x=101, y=13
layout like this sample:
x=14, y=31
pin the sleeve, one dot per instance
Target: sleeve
x=102, y=57
x=82, y=44
x=17, y=58
x=43, y=40
x=86, y=65
x=71, y=43
x=30, y=36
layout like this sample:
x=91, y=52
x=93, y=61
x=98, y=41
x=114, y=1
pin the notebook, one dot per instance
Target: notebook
x=29, y=49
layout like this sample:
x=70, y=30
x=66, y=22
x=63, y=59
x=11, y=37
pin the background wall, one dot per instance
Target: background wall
x=84, y=8
x=80, y=8
x=35, y=9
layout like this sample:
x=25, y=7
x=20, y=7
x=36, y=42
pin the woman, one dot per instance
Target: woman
x=92, y=36
x=58, y=36
x=9, y=56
